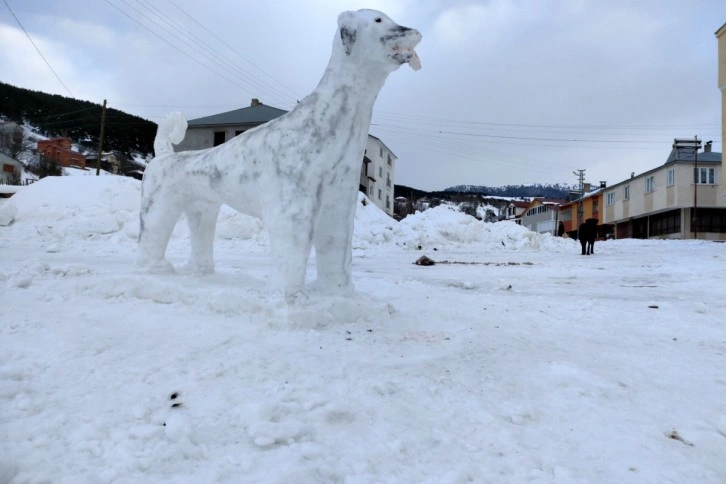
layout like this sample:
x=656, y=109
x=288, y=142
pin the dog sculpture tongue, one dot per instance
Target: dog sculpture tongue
x=415, y=62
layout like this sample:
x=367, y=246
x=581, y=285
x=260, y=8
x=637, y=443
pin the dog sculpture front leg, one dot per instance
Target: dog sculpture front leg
x=333, y=245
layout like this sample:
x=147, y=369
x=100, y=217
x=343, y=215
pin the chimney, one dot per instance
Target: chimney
x=255, y=102
x=603, y=184
x=707, y=147
x=632, y=174
x=586, y=188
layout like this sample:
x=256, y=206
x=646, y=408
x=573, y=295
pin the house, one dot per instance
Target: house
x=59, y=150
x=377, y=167
x=587, y=206
x=542, y=215
x=12, y=170
x=214, y=130
x=513, y=210
x=677, y=200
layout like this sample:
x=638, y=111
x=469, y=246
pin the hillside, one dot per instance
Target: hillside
x=56, y=115
x=462, y=192
x=536, y=190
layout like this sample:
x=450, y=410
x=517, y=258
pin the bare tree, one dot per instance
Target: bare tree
x=13, y=141
x=43, y=166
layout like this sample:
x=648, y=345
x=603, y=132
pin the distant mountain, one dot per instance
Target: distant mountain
x=536, y=190
x=56, y=115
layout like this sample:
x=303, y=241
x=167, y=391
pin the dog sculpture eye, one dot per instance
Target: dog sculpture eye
x=379, y=20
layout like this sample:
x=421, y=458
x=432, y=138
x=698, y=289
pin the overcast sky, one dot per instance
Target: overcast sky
x=510, y=91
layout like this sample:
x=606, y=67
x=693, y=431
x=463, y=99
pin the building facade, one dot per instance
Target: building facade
x=377, y=167
x=12, y=170
x=513, y=211
x=677, y=200
x=589, y=206
x=378, y=173
x=542, y=215
x=60, y=151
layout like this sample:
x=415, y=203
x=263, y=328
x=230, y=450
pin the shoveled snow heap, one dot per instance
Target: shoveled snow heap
x=109, y=205
x=520, y=361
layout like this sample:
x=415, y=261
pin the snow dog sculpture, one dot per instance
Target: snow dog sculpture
x=299, y=173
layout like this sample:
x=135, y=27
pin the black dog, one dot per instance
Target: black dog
x=588, y=233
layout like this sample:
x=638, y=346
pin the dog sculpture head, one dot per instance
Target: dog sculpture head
x=368, y=33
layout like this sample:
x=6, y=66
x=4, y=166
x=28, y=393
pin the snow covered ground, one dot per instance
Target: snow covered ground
x=519, y=361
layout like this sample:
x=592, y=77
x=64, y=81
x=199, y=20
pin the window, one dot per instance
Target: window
x=671, y=177
x=218, y=138
x=610, y=198
x=381, y=151
x=8, y=168
x=704, y=176
x=370, y=190
x=390, y=160
x=665, y=223
x=711, y=220
x=239, y=132
x=595, y=206
x=649, y=184
x=380, y=172
x=380, y=194
x=626, y=192
x=388, y=202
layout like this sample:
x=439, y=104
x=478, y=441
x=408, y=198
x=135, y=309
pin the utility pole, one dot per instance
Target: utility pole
x=580, y=174
x=695, y=187
x=100, y=139
x=688, y=145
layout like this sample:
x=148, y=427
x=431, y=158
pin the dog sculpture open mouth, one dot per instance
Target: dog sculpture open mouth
x=403, y=50
x=403, y=55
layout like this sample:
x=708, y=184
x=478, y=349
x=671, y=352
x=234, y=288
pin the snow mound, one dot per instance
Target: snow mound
x=446, y=226
x=372, y=225
x=61, y=209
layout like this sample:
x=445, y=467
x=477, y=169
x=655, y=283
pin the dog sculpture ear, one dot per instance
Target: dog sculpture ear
x=348, y=31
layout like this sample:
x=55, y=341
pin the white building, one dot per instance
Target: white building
x=377, y=174
x=677, y=200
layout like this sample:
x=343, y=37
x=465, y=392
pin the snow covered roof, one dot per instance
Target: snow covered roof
x=5, y=159
x=256, y=114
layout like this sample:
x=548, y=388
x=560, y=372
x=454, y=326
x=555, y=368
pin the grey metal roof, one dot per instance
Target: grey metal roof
x=258, y=114
x=688, y=156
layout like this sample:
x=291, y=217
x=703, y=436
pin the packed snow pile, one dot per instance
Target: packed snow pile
x=83, y=207
x=446, y=226
x=372, y=225
x=90, y=206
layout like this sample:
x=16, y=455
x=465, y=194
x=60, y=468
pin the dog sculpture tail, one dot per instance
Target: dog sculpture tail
x=170, y=131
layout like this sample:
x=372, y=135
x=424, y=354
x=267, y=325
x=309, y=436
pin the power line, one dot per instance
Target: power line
x=186, y=54
x=36, y=48
x=179, y=36
x=233, y=49
x=38, y=118
x=549, y=139
x=434, y=120
x=194, y=42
